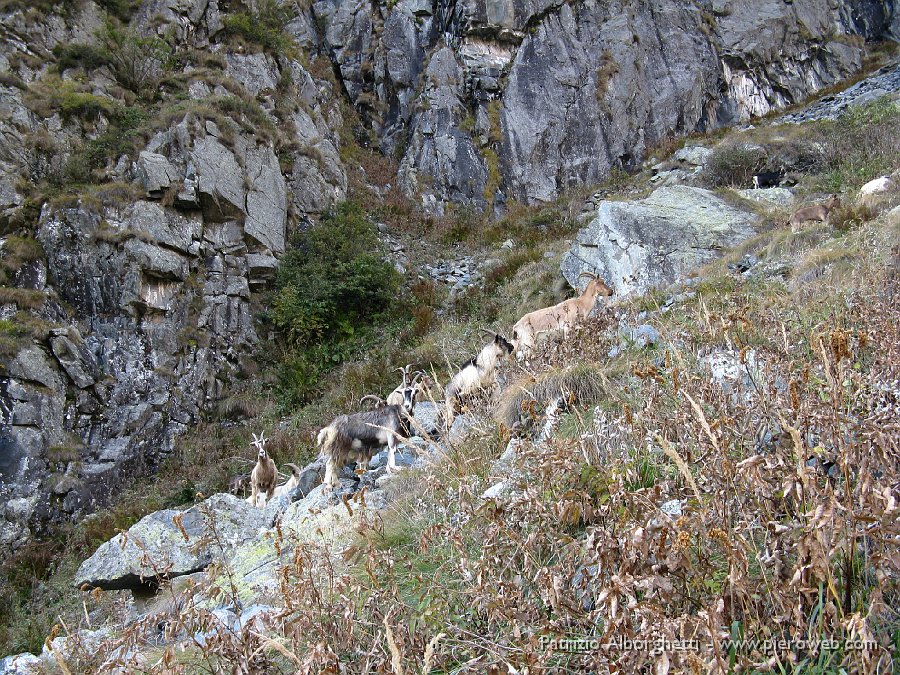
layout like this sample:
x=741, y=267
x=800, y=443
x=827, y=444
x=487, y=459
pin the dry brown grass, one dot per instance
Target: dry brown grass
x=582, y=385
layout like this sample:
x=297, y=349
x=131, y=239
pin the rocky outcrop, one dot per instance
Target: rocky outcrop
x=172, y=543
x=651, y=242
x=144, y=299
x=885, y=82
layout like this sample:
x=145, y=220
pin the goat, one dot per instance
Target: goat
x=476, y=373
x=358, y=437
x=558, y=317
x=412, y=391
x=264, y=474
x=406, y=394
x=238, y=484
x=819, y=212
x=291, y=483
x=282, y=489
x=767, y=179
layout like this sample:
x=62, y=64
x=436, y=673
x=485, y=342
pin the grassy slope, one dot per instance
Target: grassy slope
x=494, y=577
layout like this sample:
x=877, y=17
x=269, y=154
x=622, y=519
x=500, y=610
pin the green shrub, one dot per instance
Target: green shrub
x=78, y=55
x=17, y=251
x=733, y=165
x=264, y=27
x=138, y=63
x=123, y=10
x=84, y=163
x=332, y=288
x=862, y=144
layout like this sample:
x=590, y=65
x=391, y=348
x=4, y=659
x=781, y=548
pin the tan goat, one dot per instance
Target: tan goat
x=817, y=212
x=559, y=317
x=264, y=474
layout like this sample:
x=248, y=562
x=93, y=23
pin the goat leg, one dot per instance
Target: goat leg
x=392, y=461
x=330, y=474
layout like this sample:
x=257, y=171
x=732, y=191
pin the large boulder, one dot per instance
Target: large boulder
x=172, y=543
x=651, y=242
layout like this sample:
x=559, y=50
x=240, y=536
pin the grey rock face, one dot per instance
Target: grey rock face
x=266, y=205
x=580, y=89
x=428, y=418
x=155, y=172
x=75, y=358
x=651, y=242
x=886, y=82
x=156, y=547
x=438, y=149
x=157, y=329
x=255, y=72
x=220, y=179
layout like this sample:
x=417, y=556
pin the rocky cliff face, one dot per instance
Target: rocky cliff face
x=494, y=100
x=139, y=304
x=203, y=132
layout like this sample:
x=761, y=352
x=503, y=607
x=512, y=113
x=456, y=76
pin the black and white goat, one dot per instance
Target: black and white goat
x=360, y=436
x=479, y=372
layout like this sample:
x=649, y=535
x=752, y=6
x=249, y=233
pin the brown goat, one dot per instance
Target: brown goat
x=264, y=474
x=558, y=317
x=818, y=212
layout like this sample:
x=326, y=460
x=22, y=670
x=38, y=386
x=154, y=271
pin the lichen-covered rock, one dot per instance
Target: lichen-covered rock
x=266, y=204
x=22, y=664
x=255, y=72
x=172, y=543
x=653, y=241
x=78, y=361
x=219, y=179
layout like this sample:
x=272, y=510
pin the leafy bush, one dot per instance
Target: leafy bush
x=138, y=63
x=733, y=165
x=78, y=55
x=264, y=27
x=117, y=139
x=123, y=10
x=332, y=287
x=17, y=251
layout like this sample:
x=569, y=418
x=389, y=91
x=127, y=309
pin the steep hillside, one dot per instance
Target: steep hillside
x=707, y=464
x=157, y=157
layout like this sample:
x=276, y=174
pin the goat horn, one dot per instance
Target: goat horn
x=588, y=274
x=418, y=377
x=489, y=332
x=378, y=400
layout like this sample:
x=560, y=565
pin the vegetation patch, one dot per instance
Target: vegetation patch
x=265, y=26
x=333, y=288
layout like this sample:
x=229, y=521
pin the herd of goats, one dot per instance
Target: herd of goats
x=360, y=436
